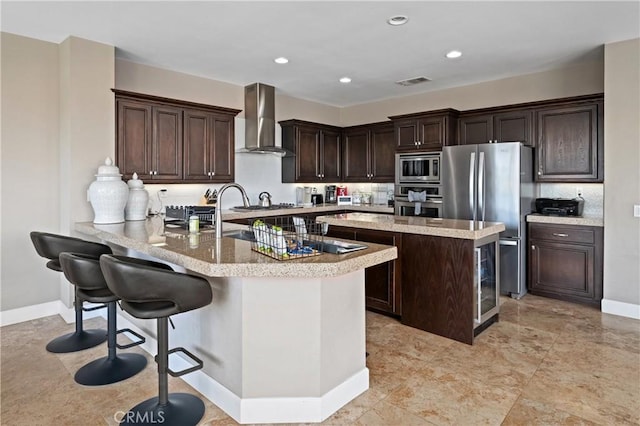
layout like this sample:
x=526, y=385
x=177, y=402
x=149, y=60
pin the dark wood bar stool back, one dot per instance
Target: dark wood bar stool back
x=153, y=293
x=84, y=272
x=50, y=246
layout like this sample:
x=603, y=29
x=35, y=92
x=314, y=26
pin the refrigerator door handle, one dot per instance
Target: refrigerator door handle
x=472, y=175
x=481, y=186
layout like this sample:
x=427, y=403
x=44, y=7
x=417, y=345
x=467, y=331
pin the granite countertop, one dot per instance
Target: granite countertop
x=377, y=208
x=585, y=220
x=452, y=228
x=228, y=257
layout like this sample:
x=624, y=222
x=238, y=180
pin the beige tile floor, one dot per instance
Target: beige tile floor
x=546, y=362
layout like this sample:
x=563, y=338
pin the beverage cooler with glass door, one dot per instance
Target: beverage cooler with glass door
x=486, y=283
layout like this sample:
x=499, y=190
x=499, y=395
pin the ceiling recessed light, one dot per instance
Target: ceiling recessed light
x=397, y=20
x=454, y=54
x=281, y=60
x=345, y=80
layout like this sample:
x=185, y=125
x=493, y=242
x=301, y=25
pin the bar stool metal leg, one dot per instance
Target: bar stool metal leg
x=114, y=367
x=79, y=339
x=179, y=409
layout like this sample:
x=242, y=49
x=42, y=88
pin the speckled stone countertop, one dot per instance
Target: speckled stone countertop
x=228, y=257
x=452, y=228
x=373, y=208
x=585, y=220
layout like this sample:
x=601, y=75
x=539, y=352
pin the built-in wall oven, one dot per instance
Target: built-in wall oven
x=418, y=168
x=418, y=200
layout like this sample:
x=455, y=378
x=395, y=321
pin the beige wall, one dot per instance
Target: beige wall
x=30, y=168
x=577, y=80
x=622, y=174
x=155, y=81
x=58, y=124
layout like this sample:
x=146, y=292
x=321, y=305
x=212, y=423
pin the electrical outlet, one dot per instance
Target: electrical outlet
x=578, y=191
x=162, y=193
x=636, y=210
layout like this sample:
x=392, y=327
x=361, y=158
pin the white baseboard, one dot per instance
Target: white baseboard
x=28, y=313
x=623, y=309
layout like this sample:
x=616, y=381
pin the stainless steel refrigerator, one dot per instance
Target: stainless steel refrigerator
x=493, y=182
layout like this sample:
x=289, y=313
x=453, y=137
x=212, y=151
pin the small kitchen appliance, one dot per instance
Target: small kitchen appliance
x=316, y=199
x=559, y=206
x=265, y=199
x=330, y=194
x=341, y=190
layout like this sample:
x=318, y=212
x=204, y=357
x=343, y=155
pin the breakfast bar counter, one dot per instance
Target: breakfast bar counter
x=282, y=341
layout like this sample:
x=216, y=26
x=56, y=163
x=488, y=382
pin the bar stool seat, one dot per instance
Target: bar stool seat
x=84, y=272
x=50, y=246
x=153, y=293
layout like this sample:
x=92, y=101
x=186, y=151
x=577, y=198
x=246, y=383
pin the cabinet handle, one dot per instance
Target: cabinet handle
x=533, y=247
x=559, y=234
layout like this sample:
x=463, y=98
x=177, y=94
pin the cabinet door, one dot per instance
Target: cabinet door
x=356, y=155
x=196, y=136
x=406, y=134
x=166, y=154
x=569, y=146
x=514, y=126
x=475, y=129
x=382, y=154
x=221, y=148
x=307, y=149
x=133, y=146
x=330, y=156
x=382, y=282
x=561, y=269
x=431, y=133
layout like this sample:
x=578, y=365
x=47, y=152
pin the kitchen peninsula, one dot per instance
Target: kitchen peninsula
x=448, y=269
x=282, y=341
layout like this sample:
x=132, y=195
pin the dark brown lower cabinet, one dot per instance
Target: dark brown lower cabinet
x=565, y=262
x=383, y=289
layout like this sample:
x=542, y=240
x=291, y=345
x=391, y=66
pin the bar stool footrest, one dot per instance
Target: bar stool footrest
x=198, y=361
x=138, y=342
x=94, y=308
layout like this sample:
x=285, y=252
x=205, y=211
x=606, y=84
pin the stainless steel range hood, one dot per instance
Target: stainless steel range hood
x=260, y=121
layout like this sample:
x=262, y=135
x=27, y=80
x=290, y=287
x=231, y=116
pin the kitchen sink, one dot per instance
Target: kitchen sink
x=271, y=207
x=242, y=234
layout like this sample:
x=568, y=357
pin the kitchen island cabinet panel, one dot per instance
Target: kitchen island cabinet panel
x=437, y=293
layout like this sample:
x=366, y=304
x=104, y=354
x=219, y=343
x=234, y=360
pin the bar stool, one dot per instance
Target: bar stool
x=84, y=272
x=148, y=292
x=50, y=246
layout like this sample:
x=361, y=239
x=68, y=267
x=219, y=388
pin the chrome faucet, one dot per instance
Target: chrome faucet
x=218, y=214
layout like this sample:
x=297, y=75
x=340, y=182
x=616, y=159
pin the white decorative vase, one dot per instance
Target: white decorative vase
x=108, y=194
x=138, y=200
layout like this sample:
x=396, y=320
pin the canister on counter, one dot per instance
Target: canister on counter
x=194, y=224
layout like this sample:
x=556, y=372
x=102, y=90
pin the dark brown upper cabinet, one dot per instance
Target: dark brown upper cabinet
x=368, y=152
x=425, y=131
x=208, y=139
x=317, y=152
x=570, y=144
x=173, y=141
x=507, y=126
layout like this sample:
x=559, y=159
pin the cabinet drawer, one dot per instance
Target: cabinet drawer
x=562, y=233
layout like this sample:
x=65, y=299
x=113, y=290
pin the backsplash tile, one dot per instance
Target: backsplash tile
x=593, y=194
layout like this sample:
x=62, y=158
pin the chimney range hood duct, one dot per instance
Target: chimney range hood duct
x=260, y=123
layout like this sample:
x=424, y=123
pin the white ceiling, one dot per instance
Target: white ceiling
x=237, y=41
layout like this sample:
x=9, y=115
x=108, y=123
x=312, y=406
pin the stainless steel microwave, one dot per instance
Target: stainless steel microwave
x=418, y=168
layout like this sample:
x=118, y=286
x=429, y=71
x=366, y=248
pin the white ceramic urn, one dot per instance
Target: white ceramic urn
x=108, y=194
x=138, y=200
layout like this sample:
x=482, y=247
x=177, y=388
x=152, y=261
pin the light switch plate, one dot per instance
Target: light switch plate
x=636, y=210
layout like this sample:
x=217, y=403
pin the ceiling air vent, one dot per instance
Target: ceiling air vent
x=412, y=81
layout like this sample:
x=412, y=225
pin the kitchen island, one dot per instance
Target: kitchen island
x=282, y=341
x=447, y=267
